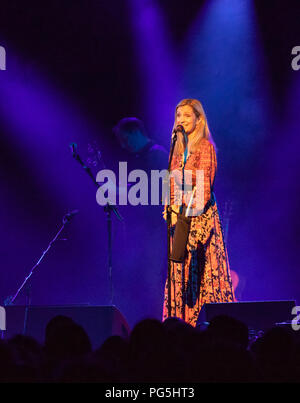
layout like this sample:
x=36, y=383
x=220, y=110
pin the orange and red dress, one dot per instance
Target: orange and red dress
x=204, y=277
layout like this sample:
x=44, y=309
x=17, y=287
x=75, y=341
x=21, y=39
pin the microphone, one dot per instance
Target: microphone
x=73, y=147
x=179, y=128
x=67, y=217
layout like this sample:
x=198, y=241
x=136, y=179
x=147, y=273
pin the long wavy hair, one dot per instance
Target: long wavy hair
x=202, y=128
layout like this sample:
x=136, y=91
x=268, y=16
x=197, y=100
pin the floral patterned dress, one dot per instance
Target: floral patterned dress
x=204, y=277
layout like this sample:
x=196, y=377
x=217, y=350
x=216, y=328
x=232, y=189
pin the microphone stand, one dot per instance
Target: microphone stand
x=10, y=299
x=169, y=226
x=108, y=208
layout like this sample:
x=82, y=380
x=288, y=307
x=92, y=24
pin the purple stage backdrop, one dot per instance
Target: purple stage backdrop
x=71, y=70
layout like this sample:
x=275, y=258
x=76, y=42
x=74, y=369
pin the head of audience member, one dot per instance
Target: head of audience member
x=65, y=339
x=147, y=350
x=228, y=330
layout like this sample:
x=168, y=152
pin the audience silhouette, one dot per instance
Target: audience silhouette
x=169, y=351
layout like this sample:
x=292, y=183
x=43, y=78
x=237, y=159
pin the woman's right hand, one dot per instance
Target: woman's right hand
x=175, y=209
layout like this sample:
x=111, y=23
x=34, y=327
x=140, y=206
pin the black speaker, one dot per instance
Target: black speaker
x=258, y=315
x=99, y=322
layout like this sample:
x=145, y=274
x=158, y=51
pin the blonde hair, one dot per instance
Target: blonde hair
x=202, y=129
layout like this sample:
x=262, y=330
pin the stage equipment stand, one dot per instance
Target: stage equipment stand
x=10, y=300
x=166, y=185
x=108, y=208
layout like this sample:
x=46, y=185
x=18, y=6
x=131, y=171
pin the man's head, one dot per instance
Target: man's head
x=131, y=134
